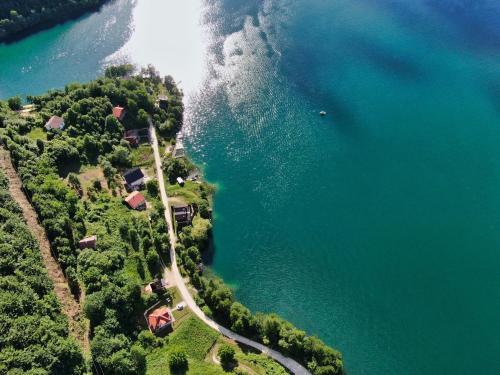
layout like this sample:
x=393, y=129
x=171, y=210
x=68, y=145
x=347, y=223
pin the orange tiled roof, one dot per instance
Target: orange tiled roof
x=135, y=199
x=118, y=112
x=158, y=318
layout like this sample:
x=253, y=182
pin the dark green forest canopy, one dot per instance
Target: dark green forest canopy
x=18, y=16
x=33, y=332
x=91, y=135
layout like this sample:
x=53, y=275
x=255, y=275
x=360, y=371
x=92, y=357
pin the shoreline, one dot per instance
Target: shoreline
x=289, y=363
x=16, y=36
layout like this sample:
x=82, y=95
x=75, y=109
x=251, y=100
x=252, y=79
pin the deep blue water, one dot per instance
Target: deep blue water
x=375, y=227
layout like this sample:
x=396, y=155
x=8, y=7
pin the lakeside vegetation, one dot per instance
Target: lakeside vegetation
x=73, y=179
x=21, y=16
x=34, y=332
x=130, y=243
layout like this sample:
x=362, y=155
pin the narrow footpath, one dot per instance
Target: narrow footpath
x=70, y=306
x=289, y=363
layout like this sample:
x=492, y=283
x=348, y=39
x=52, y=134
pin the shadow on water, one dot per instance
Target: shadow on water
x=343, y=117
x=493, y=91
x=208, y=254
x=390, y=61
x=476, y=21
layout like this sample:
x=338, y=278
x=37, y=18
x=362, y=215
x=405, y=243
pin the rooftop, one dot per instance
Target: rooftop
x=159, y=318
x=133, y=175
x=135, y=199
x=88, y=242
x=119, y=112
x=55, y=122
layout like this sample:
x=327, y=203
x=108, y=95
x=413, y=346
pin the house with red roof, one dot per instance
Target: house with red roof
x=119, y=112
x=136, y=201
x=159, y=319
x=55, y=122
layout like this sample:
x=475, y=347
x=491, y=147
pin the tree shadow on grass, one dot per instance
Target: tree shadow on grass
x=179, y=371
x=229, y=367
x=66, y=168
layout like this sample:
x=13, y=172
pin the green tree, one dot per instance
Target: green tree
x=120, y=157
x=271, y=329
x=152, y=188
x=119, y=71
x=74, y=181
x=177, y=361
x=226, y=354
x=142, y=119
x=15, y=103
x=175, y=167
x=201, y=229
x=241, y=319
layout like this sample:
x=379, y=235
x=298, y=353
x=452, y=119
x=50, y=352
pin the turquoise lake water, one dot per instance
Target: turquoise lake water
x=376, y=227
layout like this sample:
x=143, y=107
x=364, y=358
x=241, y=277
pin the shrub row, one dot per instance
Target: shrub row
x=34, y=337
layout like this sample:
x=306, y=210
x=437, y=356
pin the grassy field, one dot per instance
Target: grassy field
x=200, y=344
x=190, y=193
x=142, y=156
x=89, y=173
x=37, y=133
x=196, y=339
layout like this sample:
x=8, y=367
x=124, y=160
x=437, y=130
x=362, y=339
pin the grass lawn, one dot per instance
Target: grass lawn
x=89, y=173
x=190, y=192
x=37, y=133
x=196, y=339
x=142, y=156
x=200, y=344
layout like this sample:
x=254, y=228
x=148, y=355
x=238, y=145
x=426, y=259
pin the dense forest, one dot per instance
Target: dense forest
x=129, y=243
x=34, y=336
x=19, y=16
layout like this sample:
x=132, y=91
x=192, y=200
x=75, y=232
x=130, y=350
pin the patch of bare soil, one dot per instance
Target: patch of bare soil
x=77, y=323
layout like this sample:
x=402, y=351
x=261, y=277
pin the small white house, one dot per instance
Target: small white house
x=55, y=122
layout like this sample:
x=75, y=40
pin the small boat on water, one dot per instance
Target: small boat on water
x=322, y=113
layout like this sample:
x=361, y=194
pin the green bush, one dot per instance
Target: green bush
x=177, y=360
x=226, y=355
x=15, y=103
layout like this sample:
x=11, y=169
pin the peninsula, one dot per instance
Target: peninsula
x=128, y=218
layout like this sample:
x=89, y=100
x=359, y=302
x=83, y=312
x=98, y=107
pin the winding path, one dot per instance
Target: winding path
x=70, y=306
x=287, y=362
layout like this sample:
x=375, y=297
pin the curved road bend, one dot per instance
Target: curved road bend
x=287, y=362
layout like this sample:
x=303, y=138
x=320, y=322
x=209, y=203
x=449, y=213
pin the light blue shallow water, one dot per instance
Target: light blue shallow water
x=376, y=227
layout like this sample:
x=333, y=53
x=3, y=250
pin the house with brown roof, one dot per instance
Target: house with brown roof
x=159, y=319
x=132, y=137
x=183, y=214
x=136, y=201
x=88, y=242
x=55, y=122
x=119, y=112
x=156, y=286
